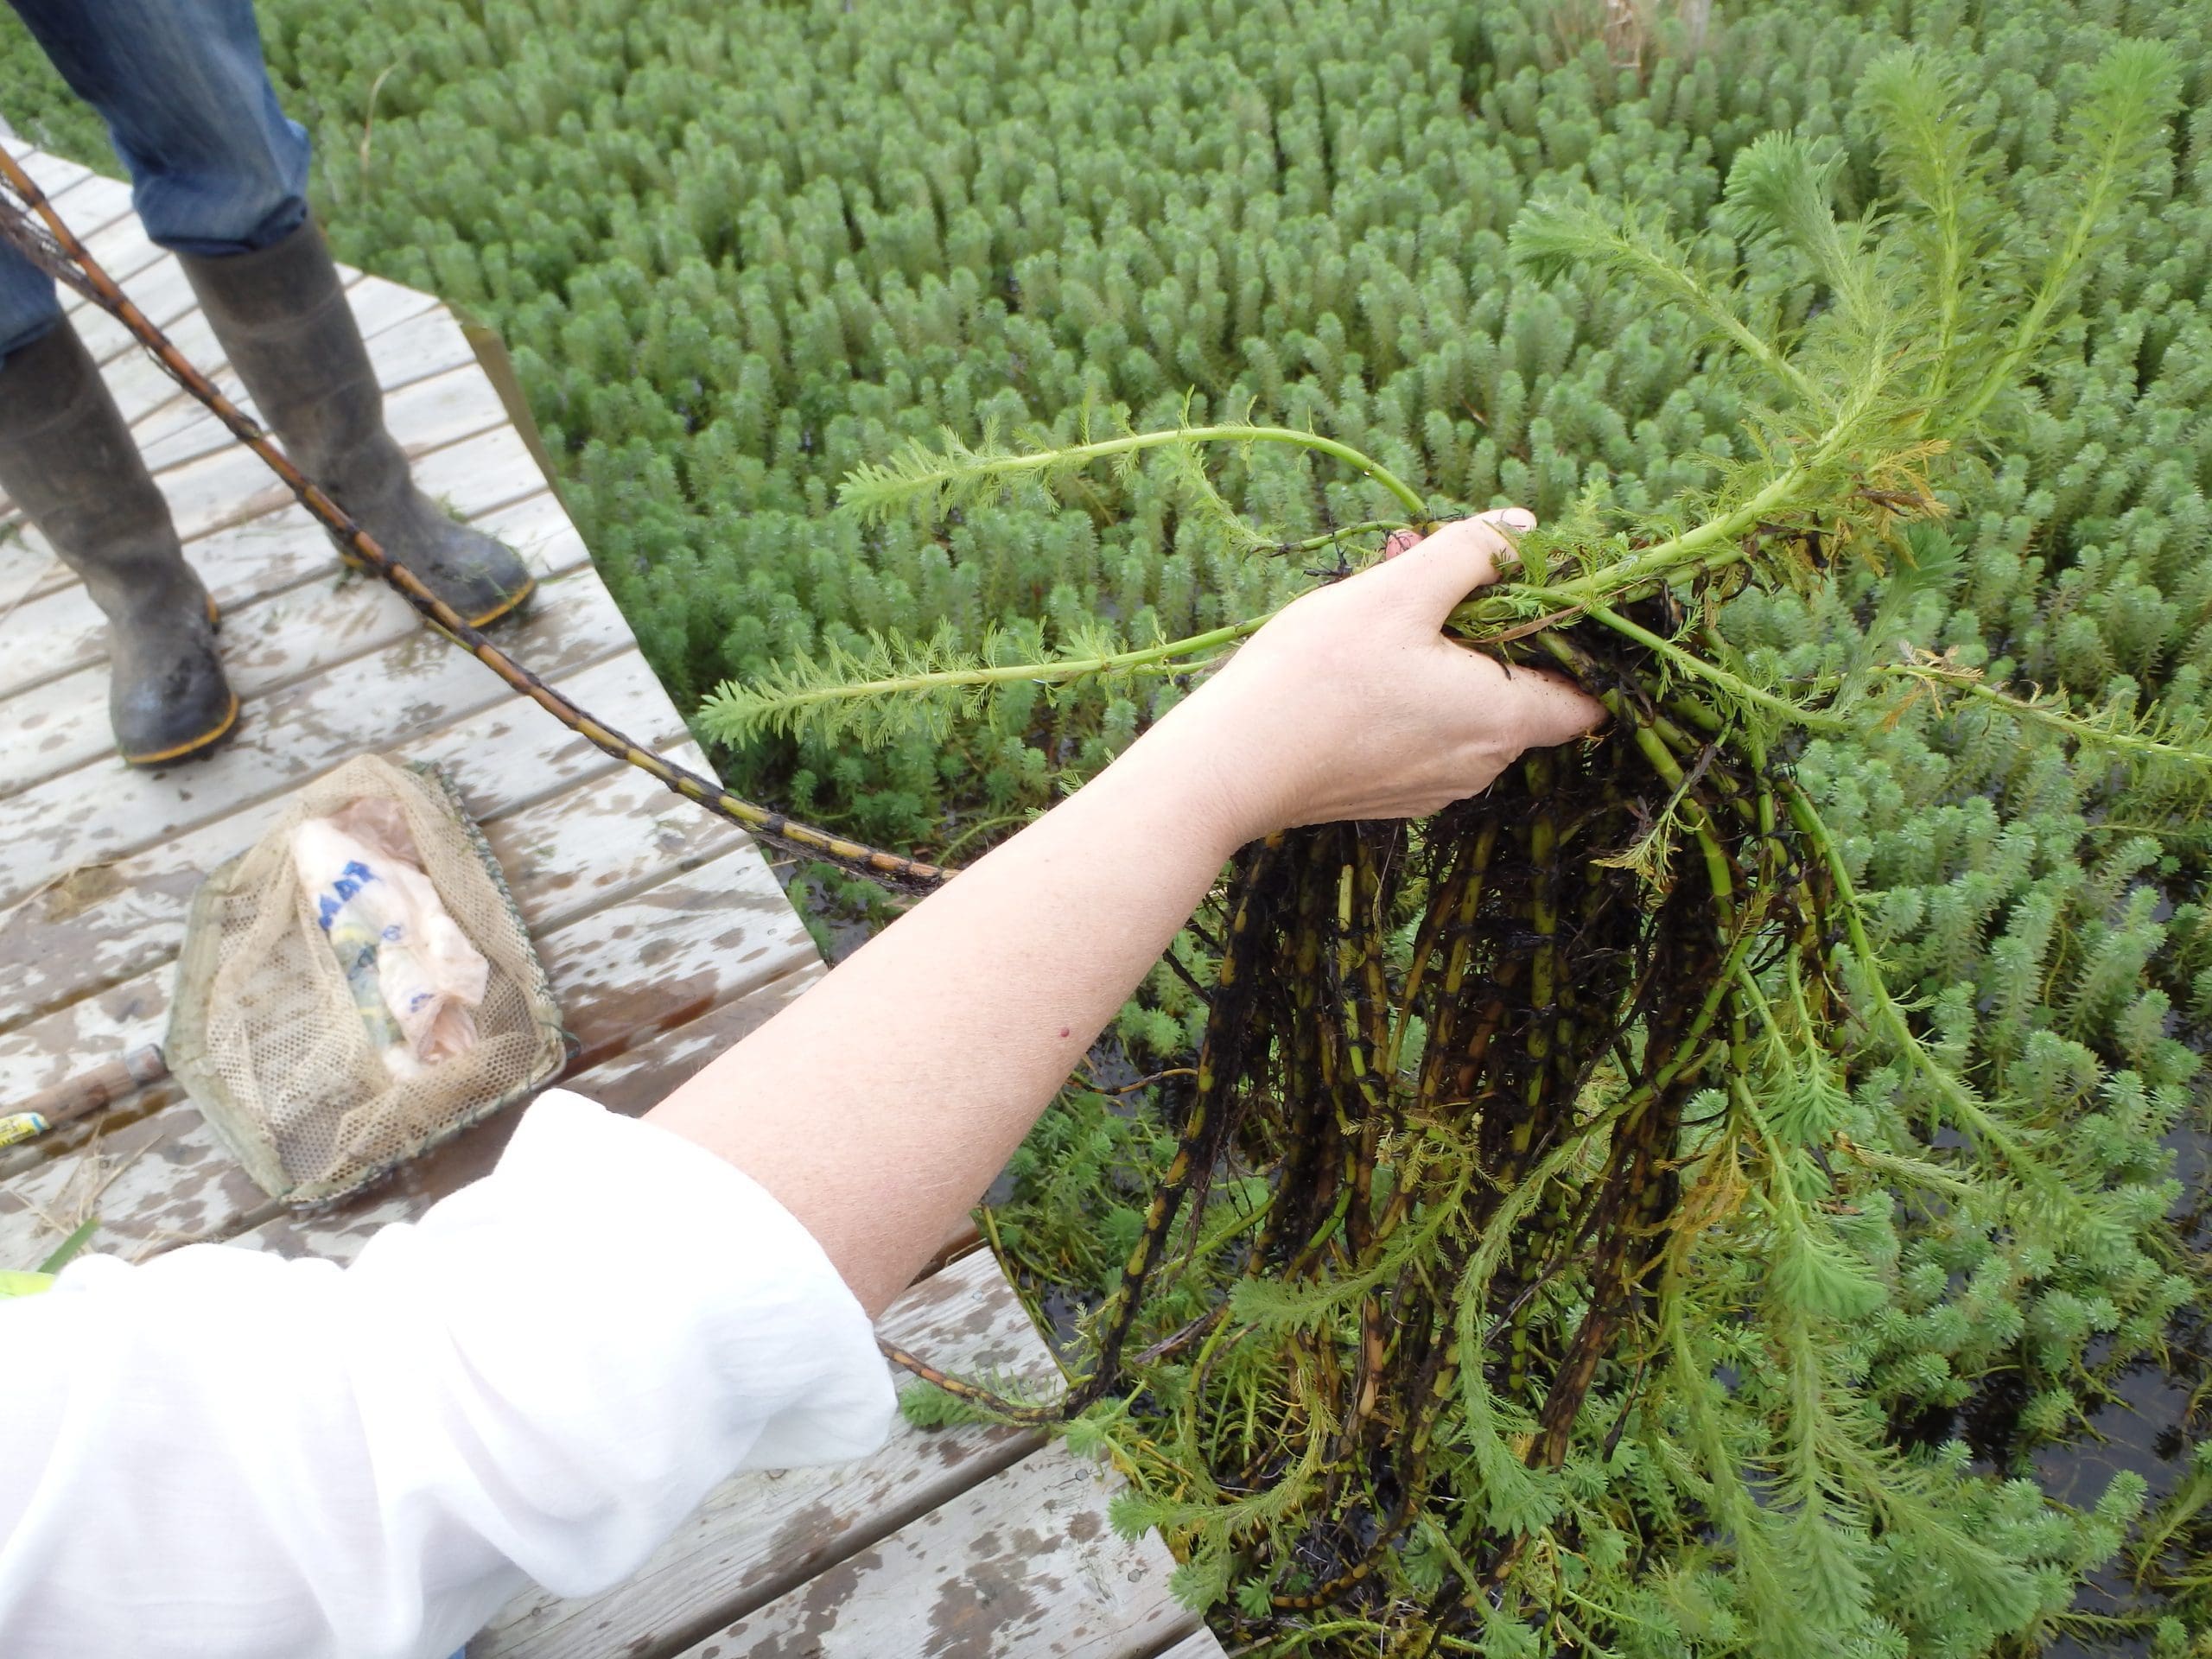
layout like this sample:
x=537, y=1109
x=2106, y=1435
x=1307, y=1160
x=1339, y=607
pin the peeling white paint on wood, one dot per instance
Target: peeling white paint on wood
x=266, y=644
x=758, y=1538
x=108, y=811
x=502, y=760
x=267, y=560
x=1021, y=1567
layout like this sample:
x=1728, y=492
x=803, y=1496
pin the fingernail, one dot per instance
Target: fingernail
x=1518, y=518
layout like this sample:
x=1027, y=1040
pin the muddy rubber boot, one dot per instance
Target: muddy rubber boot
x=281, y=313
x=67, y=460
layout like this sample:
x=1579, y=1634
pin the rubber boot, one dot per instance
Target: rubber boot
x=280, y=312
x=67, y=460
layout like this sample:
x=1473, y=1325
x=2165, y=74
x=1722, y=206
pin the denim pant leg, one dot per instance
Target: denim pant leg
x=215, y=168
x=29, y=305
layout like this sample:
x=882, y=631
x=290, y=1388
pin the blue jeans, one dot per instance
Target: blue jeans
x=215, y=168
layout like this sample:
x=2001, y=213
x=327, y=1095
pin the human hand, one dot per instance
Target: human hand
x=1351, y=703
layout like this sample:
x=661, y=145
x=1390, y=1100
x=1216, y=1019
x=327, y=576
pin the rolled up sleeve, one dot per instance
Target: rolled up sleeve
x=223, y=1452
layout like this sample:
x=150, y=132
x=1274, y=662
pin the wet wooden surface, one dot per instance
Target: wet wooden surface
x=664, y=931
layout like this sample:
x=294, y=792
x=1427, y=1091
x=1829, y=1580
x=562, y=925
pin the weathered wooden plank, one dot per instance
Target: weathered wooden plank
x=632, y=1082
x=676, y=951
x=245, y=534
x=694, y=939
x=379, y=303
x=151, y=401
x=54, y=174
x=1201, y=1644
x=60, y=629
x=89, y=208
x=606, y=841
x=109, y=810
x=233, y=485
x=62, y=936
x=120, y=243
x=496, y=470
x=63, y=723
x=758, y=1537
x=121, y=923
x=166, y=1180
x=120, y=246
x=427, y=344
x=1023, y=1567
x=158, y=409
x=159, y=287
x=640, y=1078
x=83, y=936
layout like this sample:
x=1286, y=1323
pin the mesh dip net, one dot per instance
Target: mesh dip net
x=267, y=1035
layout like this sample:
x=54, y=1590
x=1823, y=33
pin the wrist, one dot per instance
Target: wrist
x=1205, y=781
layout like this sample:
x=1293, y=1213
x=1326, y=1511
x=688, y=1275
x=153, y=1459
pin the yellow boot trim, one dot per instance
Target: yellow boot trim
x=506, y=605
x=162, y=757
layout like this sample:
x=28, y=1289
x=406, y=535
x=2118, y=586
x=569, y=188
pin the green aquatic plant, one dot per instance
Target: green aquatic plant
x=1585, y=1165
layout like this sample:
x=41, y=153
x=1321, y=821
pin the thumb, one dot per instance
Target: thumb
x=1549, y=709
x=1441, y=570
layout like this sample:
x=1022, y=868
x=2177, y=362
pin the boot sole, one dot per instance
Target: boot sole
x=198, y=746
x=507, y=607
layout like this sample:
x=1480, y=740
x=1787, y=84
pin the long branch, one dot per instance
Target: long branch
x=2081, y=731
x=1970, y=1113
x=782, y=708
x=1129, y=443
x=2058, y=276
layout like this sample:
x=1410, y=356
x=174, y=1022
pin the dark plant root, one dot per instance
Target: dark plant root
x=1569, y=1008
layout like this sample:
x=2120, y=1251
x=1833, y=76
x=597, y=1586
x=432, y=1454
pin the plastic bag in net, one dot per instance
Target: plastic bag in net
x=265, y=1033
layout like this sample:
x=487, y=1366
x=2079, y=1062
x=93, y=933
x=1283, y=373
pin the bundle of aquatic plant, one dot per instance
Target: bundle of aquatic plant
x=1545, y=1166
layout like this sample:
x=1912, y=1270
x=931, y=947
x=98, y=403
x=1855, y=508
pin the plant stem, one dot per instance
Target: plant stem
x=1970, y=1113
x=1690, y=663
x=2081, y=731
x=1329, y=538
x=1129, y=443
x=2058, y=276
x=1664, y=559
x=1151, y=658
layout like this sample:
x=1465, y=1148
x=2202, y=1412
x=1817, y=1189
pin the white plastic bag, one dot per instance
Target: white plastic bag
x=414, y=976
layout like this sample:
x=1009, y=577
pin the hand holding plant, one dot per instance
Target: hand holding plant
x=1351, y=703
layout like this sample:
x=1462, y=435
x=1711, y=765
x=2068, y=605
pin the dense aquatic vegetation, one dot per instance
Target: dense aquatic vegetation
x=742, y=252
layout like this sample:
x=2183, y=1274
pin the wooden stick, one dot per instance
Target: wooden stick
x=83, y=1095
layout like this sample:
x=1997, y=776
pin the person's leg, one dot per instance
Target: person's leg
x=282, y=314
x=219, y=177
x=30, y=308
x=67, y=461
x=215, y=167
x=67, y=464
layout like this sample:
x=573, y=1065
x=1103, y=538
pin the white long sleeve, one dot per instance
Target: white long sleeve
x=223, y=1452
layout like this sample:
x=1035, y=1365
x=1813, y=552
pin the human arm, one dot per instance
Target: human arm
x=879, y=1106
x=549, y=1370
x=224, y=1451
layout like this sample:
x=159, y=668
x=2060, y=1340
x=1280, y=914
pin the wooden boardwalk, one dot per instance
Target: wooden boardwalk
x=664, y=932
